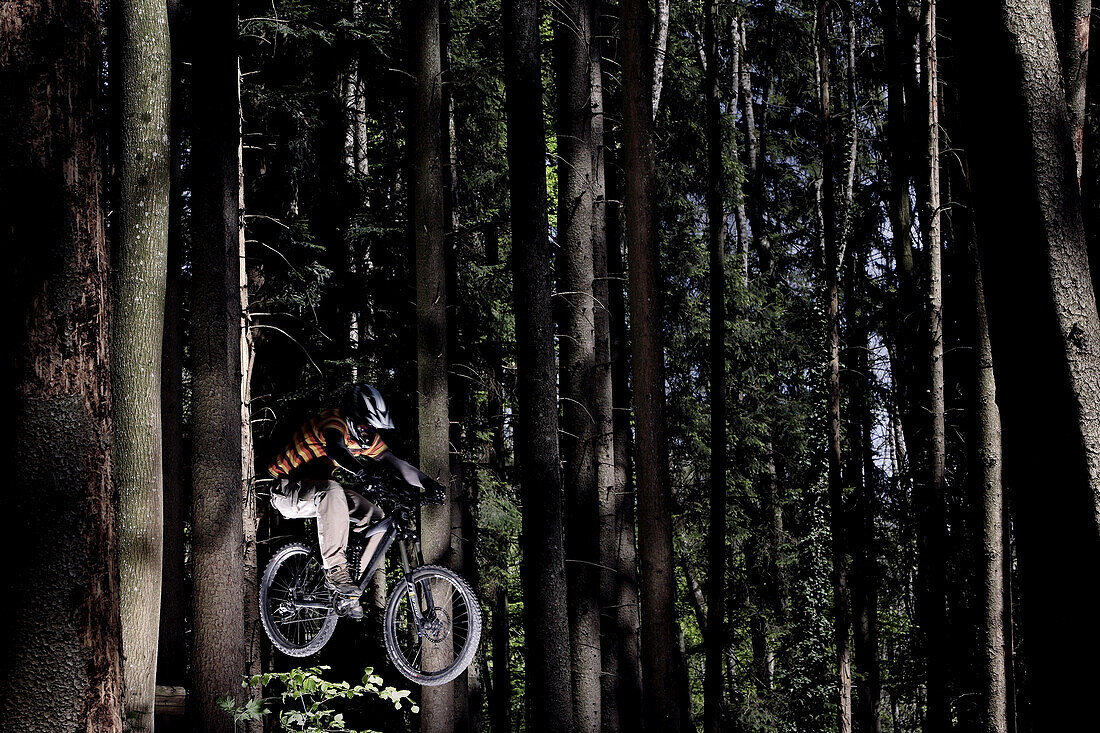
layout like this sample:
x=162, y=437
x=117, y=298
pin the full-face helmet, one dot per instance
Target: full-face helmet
x=365, y=409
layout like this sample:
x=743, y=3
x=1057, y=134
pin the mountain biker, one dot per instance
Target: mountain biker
x=306, y=488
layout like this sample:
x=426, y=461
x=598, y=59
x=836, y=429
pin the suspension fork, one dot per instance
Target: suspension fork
x=426, y=591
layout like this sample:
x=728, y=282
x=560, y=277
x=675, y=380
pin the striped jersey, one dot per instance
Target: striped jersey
x=305, y=453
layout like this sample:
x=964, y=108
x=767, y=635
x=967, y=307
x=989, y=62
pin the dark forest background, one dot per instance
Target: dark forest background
x=756, y=342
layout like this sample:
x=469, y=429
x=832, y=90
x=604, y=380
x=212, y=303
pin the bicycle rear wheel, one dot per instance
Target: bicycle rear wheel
x=295, y=606
x=446, y=642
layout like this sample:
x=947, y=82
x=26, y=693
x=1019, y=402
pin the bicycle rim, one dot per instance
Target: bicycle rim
x=447, y=640
x=295, y=577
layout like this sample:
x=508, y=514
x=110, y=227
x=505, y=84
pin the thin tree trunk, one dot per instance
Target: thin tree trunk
x=716, y=530
x=660, y=49
x=660, y=651
x=831, y=242
x=137, y=334
x=622, y=702
x=172, y=646
x=547, y=687
x=1008, y=623
x=464, y=487
x=863, y=478
x=500, y=714
x=603, y=403
x=61, y=670
x=907, y=315
x=932, y=537
x=988, y=473
x=220, y=646
x=695, y=598
x=250, y=516
x=431, y=323
x=754, y=155
x=737, y=27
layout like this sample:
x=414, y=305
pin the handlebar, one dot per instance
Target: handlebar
x=384, y=488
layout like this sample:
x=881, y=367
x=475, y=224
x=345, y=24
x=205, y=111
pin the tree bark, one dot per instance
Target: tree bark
x=863, y=479
x=832, y=243
x=754, y=157
x=622, y=708
x=1071, y=31
x=932, y=537
x=500, y=714
x=431, y=322
x=660, y=650
x=990, y=499
x=1090, y=155
x=740, y=213
x=907, y=312
x=1046, y=347
x=660, y=49
x=610, y=501
x=546, y=631
x=220, y=646
x=577, y=351
x=716, y=245
x=137, y=333
x=62, y=670
x=172, y=645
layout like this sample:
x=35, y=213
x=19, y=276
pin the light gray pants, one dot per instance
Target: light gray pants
x=334, y=507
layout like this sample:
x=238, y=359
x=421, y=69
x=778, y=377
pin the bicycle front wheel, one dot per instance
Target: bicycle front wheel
x=444, y=643
x=295, y=606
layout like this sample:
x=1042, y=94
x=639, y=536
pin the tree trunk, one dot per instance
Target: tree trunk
x=610, y=500
x=431, y=322
x=660, y=49
x=250, y=510
x=1090, y=157
x=716, y=530
x=548, y=687
x=577, y=354
x=62, y=671
x=832, y=243
x=754, y=157
x=172, y=645
x=137, y=333
x=863, y=479
x=740, y=213
x=932, y=533
x=622, y=697
x=1046, y=346
x=907, y=313
x=500, y=714
x=1071, y=31
x=988, y=477
x=220, y=646
x=660, y=652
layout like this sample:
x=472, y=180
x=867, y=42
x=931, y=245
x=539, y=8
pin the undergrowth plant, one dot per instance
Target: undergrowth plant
x=307, y=700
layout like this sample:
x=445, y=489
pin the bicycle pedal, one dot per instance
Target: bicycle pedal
x=349, y=607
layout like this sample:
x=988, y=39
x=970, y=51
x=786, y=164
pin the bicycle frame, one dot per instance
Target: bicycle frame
x=389, y=535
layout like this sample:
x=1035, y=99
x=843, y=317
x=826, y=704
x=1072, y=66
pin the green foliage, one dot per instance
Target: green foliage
x=309, y=703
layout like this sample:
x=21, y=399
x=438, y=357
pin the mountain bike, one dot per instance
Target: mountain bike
x=432, y=621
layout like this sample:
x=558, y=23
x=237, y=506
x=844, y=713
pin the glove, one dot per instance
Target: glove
x=434, y=492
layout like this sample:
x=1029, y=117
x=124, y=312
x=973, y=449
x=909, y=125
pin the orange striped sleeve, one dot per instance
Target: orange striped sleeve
x=376, y=448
